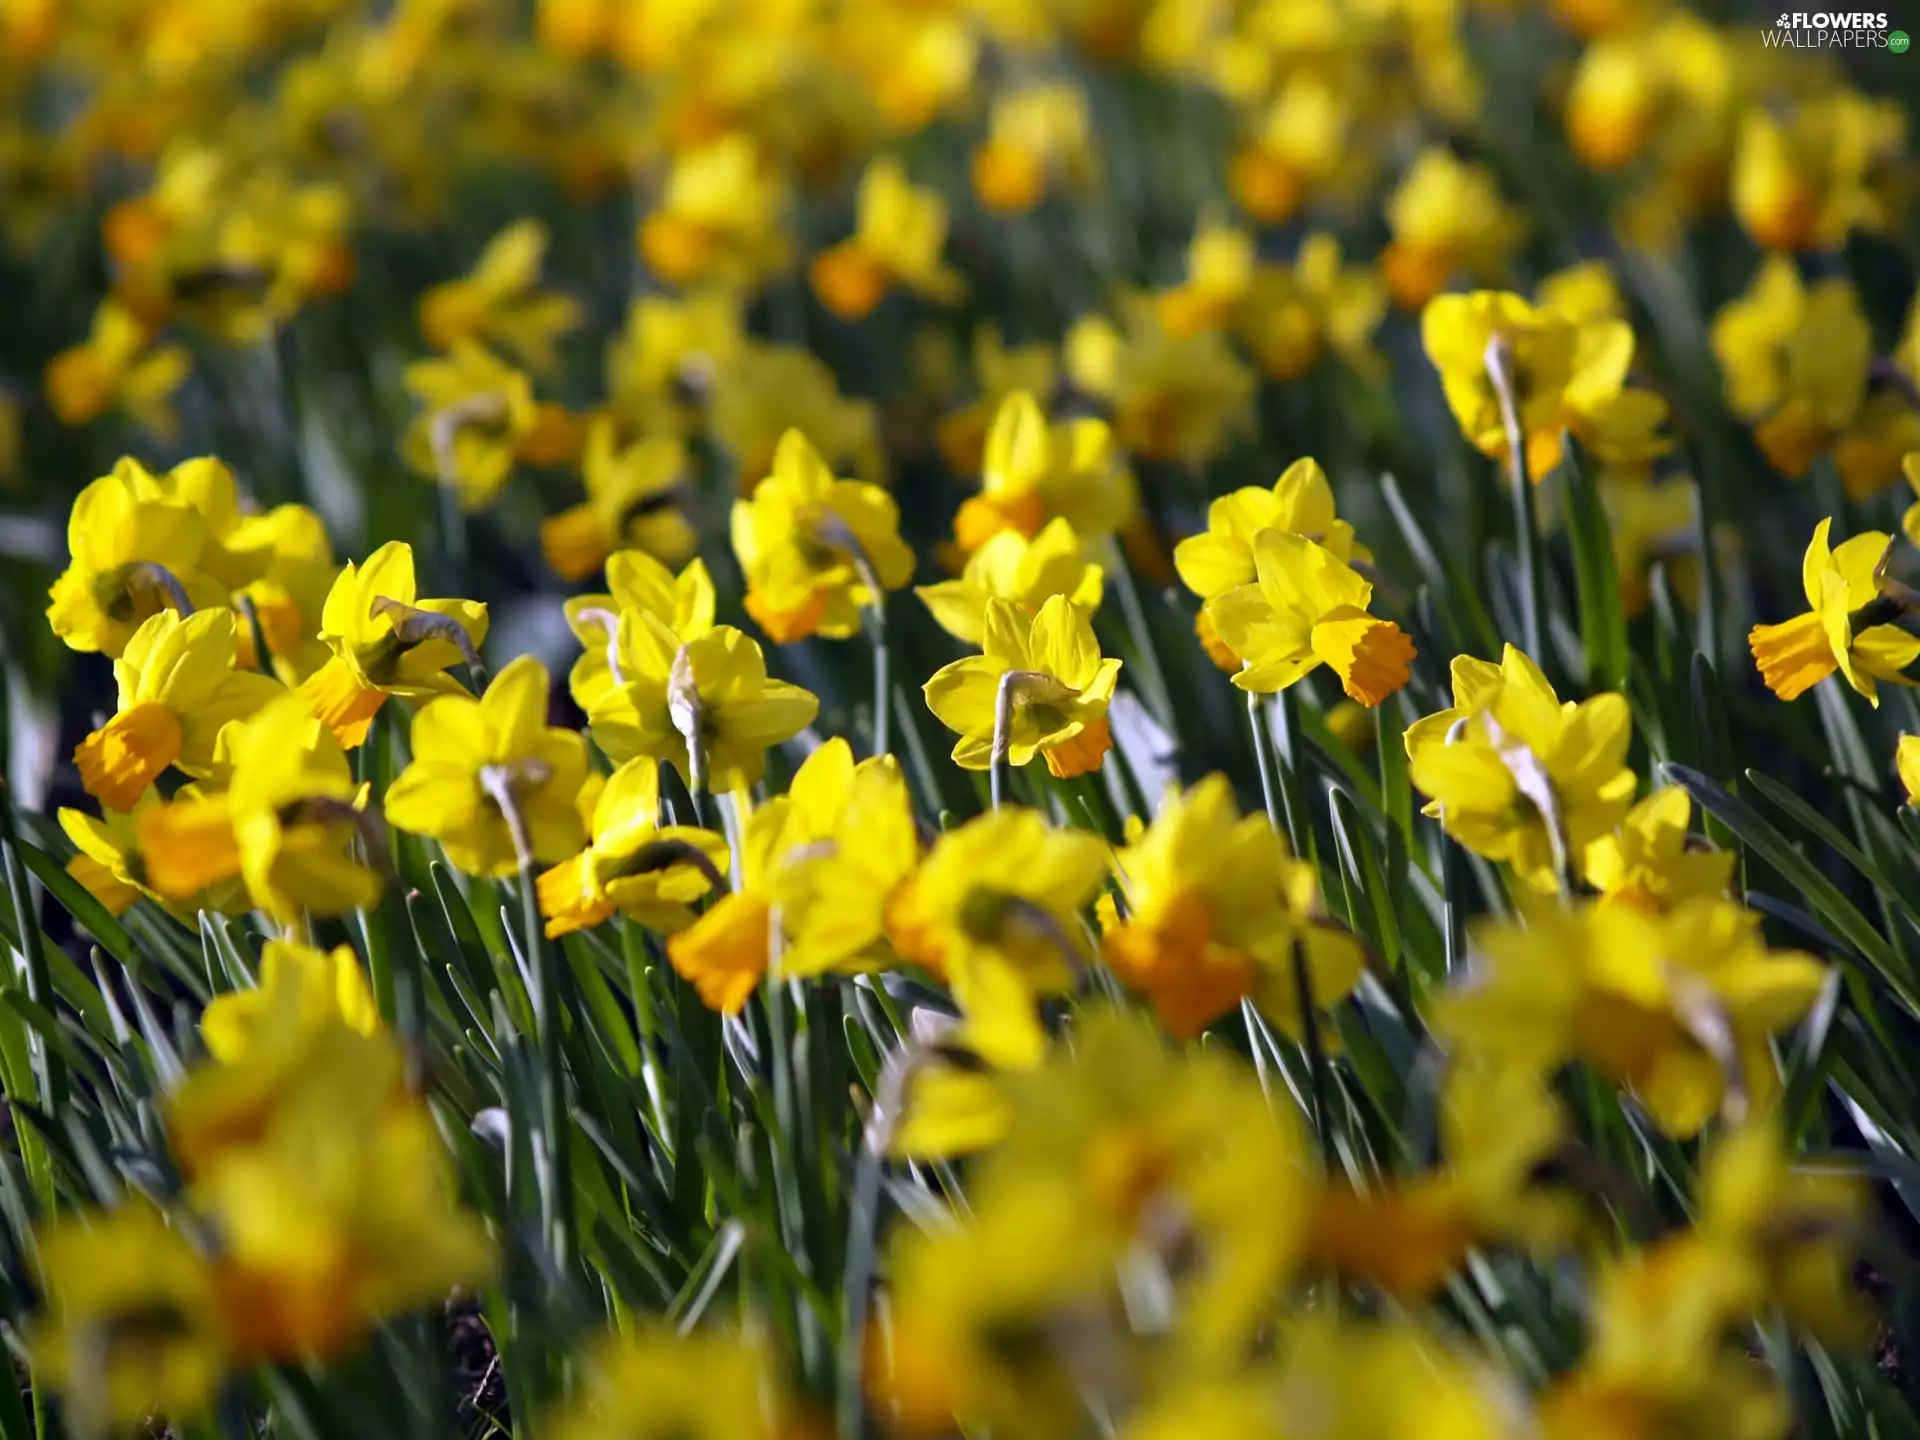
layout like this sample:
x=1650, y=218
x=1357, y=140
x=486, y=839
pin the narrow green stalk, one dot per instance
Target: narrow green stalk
x=262, y=652
x=1263, y=756
x=1316, y=1056
x=50, y=1075
x=1153, y=679
x=1002, y=735
x=1286, y=743
x=1533, y=602
x=882, y=656
x=552, y=1158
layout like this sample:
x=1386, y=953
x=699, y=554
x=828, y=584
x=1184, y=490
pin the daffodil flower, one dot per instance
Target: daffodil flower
x=1513, y=774
x=490, y=780
x=1041, y=687
x=134, y=555
x=499, y=302
x=118, y=366
x=1679, y=1007
x=635, y=581
x=1173, y=397
x=817, y=551
x=1652, y=861
x=284, y=824
x=633, y=864
x=1215, y=909
x=719, y=216
x=178, y=688
x=1009, y=566
x=1795, y=358
x=1308, y=608
x=1848, y=626
x=475, y=410
x=705, y=705
x=899, y=231
x=1221, y=558
x=632, y=494
x=301, y=990
x=994, y=910
x=818, y=866
x=1033, y=471
x=387, y=641
x=1447, y=218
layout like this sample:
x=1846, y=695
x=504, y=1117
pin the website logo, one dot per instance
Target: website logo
x=1834, y=30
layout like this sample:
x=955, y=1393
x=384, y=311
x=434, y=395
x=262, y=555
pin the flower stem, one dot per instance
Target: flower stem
x=1316, y=1056
x=1002, y=735
x=551, y=1152
x=1263, y=756
x=1533, y=605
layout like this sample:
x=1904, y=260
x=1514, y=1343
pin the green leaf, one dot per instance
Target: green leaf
x=1603, y=623
x=1759, y=835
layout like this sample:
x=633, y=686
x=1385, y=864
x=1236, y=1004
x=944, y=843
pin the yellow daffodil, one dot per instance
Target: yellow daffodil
x=387, y=641
x=1501, y=1125
x=994, y=910
x=771, y=389
x=633, y=863
x=108, y=864
x=1558, y=373
x=1172, y=397
x=1220, y=268
x=1010, y=566
x=134, y=554
x=635, y=581
x=134, y=1327
x=1295, y=314
x=1040, y=688
x=704, y=705
x=719, y=217
x=1906, y=759
x=999, y=370
x=1679, y=1007
x=817, y=867
x=1033, y=472
x=1135, y=1128
x=490, y=780
x=178, y=687
x=668, y=356
x=1805, y=179
x=1215, y=910
x=1029, y=1264
x=1849, y=625
x=632, y=492
x=300, y=989
x=500, y=303
x=290, y=596
x=1221, y=558
x=1036, y=136
x=1795, y=357
x=284, y=824
x=1650, y=520
x=1308, y=608
x=703, y=1385
x=1447, y=219
x=1513, y=774
x=817, y=551
x=1652, y=861
x=899, y=233
x=475, y=410
x=1297, y=147
x=118, y=367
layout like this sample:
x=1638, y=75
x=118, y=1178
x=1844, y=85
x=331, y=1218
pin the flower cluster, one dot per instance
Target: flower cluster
x=956, y=717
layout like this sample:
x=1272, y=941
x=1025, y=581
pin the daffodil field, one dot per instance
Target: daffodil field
x=1014, y=719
